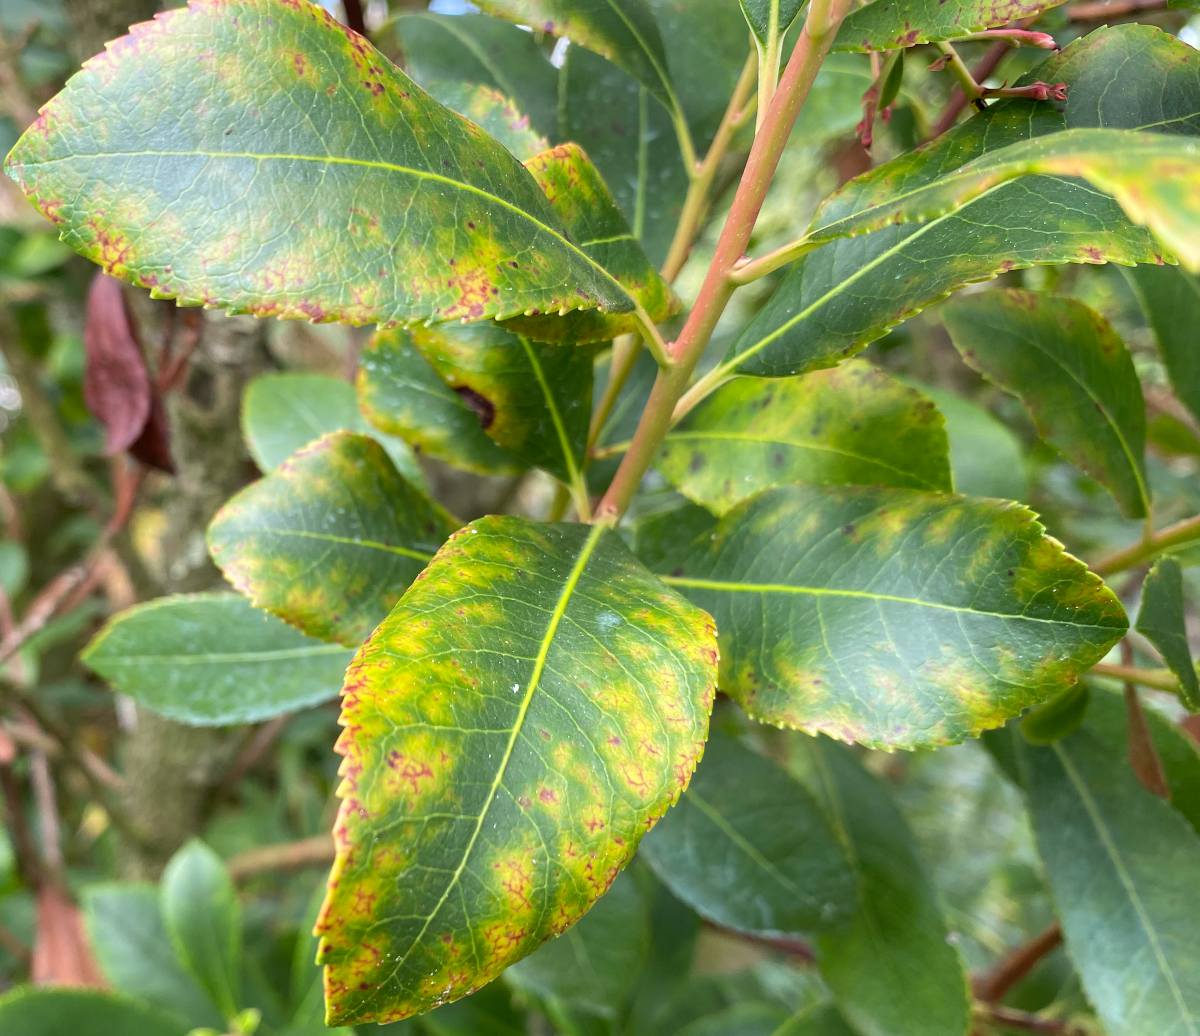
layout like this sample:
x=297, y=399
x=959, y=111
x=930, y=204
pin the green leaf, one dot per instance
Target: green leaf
x=1073, y=373
x=624, y=31
x=535, y=399
x=890, y=966
x=587, y=209
x=893, y=618
x=260, y=106
x=887, y=24
x=475, y=49
x=51, y=1011
x=851, y=425
x=494, y=113
x=401, y=394
x=213, y=659
x=1171, y=300
x=1119, y=861
x=203, y=919
x=330, y=539
x=839, y=298
x=1162, y=621
x=126, y=932
x=283, y=411
x=747, y=847
x=632, y=142
x=594, y=965
x=534, y=703
x=1057, y=718
x=770, y=19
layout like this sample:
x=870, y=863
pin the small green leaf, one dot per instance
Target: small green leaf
x=586, y=208
x=203, y=919
x=330, y=539
x=593, y=965
x=1171, y=300
x=1120, y=863
x=1071, y=370
x=475, y=49
x=126, y=932
x=770, y=19
x=536, y=399
x=1057, y=718
x=893, y=618
x=282, y=412
x=52, y=1011
x=181, y=196
x=890, y=965
x=402, y=395
x=748, y=848
x=530, y=708
x=1162, y=621
x=851, y=425
x=887, y=24
x=494, y=113
x=213, y=659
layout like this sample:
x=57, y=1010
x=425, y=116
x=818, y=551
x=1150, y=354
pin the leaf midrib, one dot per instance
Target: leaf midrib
x=348, y=541
x=714, y=817
x=733, y=586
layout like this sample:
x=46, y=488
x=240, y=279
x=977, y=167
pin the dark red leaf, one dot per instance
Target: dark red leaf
x=116, y=384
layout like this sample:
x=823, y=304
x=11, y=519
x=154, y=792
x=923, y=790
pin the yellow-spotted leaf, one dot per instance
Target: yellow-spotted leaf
x=168, y=159
x=330, y=539
x=894, y=618
x=888, y=24
x=531, y=707
x=851, y=425
x=585, y=206
x=492, y=111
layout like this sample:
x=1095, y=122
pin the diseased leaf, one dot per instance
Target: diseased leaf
x=282, y=102
x=850, y=425
x=212, y=659
x=473, y=48
x=402, y=395
x=53, y=1011
x=593, y=965
x=1171, y=300
x=586, y=208
x=1071, y=370
x=535, y=399
x=624, y=31
x=890, y=965
x=887, y=24
x=894, y=618
x=770, y=19
x=1162, y=621
x=203, y=919
x=127, y=934
x=330, y=539
x=1119, y=861
x=529, y=709
x=748, y=848
x=283, y=411
x=494, y=113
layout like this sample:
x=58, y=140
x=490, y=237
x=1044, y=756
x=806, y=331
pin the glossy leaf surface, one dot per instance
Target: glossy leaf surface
x=887, y=24
x=893, y=618
x=494, y=113
x=330, y=539
x=586, y=208
x=213, y=659
x=1163, y=621
x=402, y=395
x=529, y=709
x=1071, y=370
x=853, y=425
x=770, y=18
x=534, y=400
x=748, y=848
x=1118, y=860
x=284, y=411
x=890, y=965
x=284, y=103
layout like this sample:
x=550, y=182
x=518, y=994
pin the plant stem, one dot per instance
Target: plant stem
x=317, y=851
x=1156, y=679
x=1156, y=543
x=769, y=56
x=654, y=342
x=697, y=200
x=620, y=365
x=1011, y=1018
x=966, y=81
x=958, y=98
x=820, y=26
x=995, y=983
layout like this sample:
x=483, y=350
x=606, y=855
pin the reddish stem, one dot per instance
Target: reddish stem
x=993, y=985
